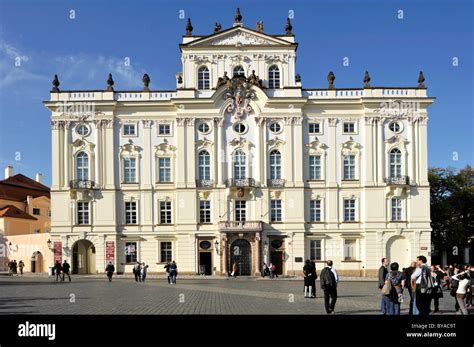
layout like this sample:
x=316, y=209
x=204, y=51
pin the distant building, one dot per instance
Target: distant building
x=25, y=222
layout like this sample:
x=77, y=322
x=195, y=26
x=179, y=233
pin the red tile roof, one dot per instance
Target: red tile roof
x=18, y=187
x=14, y=212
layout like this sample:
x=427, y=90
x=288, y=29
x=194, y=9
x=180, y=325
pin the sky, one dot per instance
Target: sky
x=82, y=41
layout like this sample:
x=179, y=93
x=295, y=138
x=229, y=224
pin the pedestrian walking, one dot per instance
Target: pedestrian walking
x=329, y=280
x=264, y=270
x=383, y=271
x=270, y=269
x=15, y=268
x=438, y=276
x=167, y=269
x=136, y=272
x=66, y=269
x=315, y=277
x=233, y=273
x=173, y=272
x=10, y=268
x=408, y=285
x=57, y=270
x=110, y=269
x=308, y=279
x=424, y=285
x=21, y=265
x=396, y=281
x=144, y=270
x=463, y=285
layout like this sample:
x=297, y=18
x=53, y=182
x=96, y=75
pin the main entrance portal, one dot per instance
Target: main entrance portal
x=241, y=254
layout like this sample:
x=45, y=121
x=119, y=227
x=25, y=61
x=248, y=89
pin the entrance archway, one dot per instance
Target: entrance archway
x=37, y=262
x=241, y=254
x=83, y=257
x=398, y=251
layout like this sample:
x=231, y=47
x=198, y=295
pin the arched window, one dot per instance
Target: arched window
x=239, y=71
x=275, y=165
x=239, y=164
x=395, y=163
x=203, y=78
x=82, y=166
x=273, y=77
x=204, y=165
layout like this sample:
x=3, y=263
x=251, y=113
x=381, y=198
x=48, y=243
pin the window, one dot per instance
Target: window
x=315, y=250
x=240, y=128
x=203, y=78
x=395, y=127
x=239, y=71
x=129, y=170
x=397, y=209
x=275, y=165
x=349, y=249
x=82, y=130
x=273, y=77
x=129, y=130
x=315, y=210
x=204, y=128
x=240, y=210
x=275, y=210
x=314, y=128
x=314, y=167
x=164, y=169
x=204, y=165
x=349, y=127
x=82, y=166
x=130, y=252
x=130, y=212
x=275, y=127
x=36, y=211
x=165, y=212
x=395, y=163
x=204, y=211
x=349, y=167
x=349, y=210
x=164, y=129
x=82, y=213
x=166, y=251
x=239, y=165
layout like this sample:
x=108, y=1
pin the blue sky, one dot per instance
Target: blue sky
x=83, y=50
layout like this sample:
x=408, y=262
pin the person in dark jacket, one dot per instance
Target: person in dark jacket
x=438, y=276
x=57, y=270
x=329, y=280
x=383, y=271
x=66, y=270
x=173, y=272
x=110, y=269
x=408, y=272
x=167, y=269
x=397, y=280
x=308, y=279
x=315, y=277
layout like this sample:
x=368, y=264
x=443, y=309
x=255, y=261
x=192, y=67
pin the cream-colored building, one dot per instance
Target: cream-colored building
x=243, y=169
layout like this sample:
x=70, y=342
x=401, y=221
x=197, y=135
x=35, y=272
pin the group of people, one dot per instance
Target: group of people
x=60, y=271
x=269, y=270
x=13, y=267
x=139, y=271
x=425, y=285
x=172, y=270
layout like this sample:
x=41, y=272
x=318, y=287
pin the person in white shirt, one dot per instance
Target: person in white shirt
x=464, y=283
x=422, y=299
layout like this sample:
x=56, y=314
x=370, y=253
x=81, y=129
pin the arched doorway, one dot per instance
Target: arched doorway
x=83, y=257
x=37, y=262
x=241, y=254
x=398, y=251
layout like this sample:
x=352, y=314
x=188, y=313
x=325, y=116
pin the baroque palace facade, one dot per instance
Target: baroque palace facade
x=239, y=164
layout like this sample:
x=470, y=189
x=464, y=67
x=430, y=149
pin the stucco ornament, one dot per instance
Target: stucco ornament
x=239, y=90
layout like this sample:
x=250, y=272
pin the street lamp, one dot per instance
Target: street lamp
x=216, y=246
x=49, y=243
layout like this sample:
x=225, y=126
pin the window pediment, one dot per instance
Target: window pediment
x=316, y=147
x=130, y=149
x=275, y=143
x=398, y=141
x=204, y=143
x=351, y=146
x=165, y=149
x=83, y=144
x=240, y=142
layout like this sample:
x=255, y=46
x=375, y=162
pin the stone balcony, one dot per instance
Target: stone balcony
x=397, y=181
x=276, y=183
x=241, y=226
x=83, y=185
x=240, y=182
x=204, y=183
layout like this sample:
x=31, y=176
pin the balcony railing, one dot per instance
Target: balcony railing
x=397, y=181
x=276, y=182
x=82, y=184
x=241, y=182
x=204, y=183
x=249, y=225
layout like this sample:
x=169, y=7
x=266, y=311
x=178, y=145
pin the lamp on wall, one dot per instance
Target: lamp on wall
x=49, y=243
x=216, y=246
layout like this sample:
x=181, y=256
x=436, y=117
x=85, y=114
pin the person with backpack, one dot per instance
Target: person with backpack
x=66, y=270
x=329, y=280
x=424, y=285
x=395, y=281
x=383, y=271
x=308, y=279
x=110, y=269
x=463, y=285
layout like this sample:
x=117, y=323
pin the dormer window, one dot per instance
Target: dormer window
x=273, y=77
x=203, y=78
x=239, y=71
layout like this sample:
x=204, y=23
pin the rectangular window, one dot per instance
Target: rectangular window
x=165, y=212
x=164, y=129
x=315, y=210
x=131, y=212
x=349, y=249
x=164, y=169
x=314, y=167
x=166, y=251
x=349, y=167
x=397, y=209
x=275, y=210
x=129, y=130
x=131, y=252
x=36, y=211
x=129, y=170
x=349, y=210
x=204, y=211
x=240, y=210
x=314, y=128
x=82, y=212
x=315, y=250
x=349, y=127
